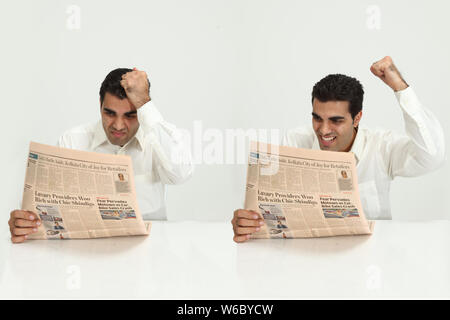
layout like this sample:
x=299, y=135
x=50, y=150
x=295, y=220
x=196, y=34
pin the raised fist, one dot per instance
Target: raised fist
x=386, y=71
x=137, y=87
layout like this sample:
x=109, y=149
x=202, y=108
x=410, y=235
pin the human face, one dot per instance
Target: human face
x=119, y=119
x=333, y=124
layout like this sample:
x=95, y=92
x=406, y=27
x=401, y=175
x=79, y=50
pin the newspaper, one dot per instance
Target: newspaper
x=79, y=194
x=303, y=193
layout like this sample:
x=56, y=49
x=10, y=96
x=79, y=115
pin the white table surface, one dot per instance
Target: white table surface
x=199, y=260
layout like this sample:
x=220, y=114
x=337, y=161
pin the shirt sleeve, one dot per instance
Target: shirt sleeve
x=63, y=142
x=170, y=146
x=422, y=149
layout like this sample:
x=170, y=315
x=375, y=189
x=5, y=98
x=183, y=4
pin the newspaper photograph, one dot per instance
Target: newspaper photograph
x=304, y=193
x=80, y=194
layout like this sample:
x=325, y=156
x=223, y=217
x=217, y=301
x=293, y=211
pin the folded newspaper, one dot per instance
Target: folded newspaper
x=303, y=193
x=79, y=194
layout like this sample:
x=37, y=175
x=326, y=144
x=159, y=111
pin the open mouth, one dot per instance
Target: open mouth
x=327, y=141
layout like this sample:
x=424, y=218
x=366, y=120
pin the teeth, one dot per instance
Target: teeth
x=328, y=139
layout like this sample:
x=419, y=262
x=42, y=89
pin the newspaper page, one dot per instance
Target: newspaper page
x=79, y=194
x=303, y=193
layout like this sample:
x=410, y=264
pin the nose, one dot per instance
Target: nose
x=119, y=124
x=324, y=128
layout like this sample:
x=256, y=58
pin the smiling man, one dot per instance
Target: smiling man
x=337, y=102
x=131, y=125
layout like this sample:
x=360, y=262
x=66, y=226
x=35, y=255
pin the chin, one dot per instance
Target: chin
x=117, y=142
x=323, y=148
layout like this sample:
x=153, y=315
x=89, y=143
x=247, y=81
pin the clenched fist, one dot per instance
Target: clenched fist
x=386, y=71
x=137, y=87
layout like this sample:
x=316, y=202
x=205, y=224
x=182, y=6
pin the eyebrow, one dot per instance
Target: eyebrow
x=129, y=113
x=315, y=115
x=108, y=110
x=335, y=118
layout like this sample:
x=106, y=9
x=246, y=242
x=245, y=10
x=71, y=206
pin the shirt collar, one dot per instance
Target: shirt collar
x=357, y=147
x=100, y=137
x=358, y=144
x=140, y=137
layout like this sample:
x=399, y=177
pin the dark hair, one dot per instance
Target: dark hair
x=339, y=87
x=112, y=85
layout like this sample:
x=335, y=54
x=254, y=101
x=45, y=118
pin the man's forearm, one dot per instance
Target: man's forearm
x=423, y=149
x=171, y=151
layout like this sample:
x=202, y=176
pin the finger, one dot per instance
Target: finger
x=22, y=214
x=124, y=84
x=246, y=230
x=250, y=222
x=240, y=239
x=23, y=231
x=18, y=239
x=130, y=74
x=247, y=214
x=26, y=223
x=234, y=223
x=378, y=72
x=387, y=59
x=375, y=68
x=384, y=65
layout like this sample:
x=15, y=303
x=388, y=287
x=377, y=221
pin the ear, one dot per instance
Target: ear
x=357, y=119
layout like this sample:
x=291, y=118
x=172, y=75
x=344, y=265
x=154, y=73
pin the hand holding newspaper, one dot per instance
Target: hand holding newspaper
x=303, y=193
x=79, y=194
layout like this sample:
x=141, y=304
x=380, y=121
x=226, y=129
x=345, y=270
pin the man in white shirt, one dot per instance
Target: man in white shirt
x=380, y=155
x=132, y=125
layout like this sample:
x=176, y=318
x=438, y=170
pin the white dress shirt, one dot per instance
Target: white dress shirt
x=383, y=155
x=158, y=151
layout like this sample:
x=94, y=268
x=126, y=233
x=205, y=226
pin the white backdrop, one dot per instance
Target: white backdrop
x=229, y=64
